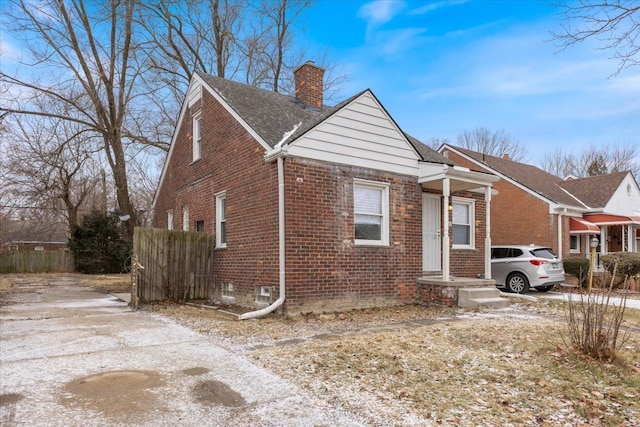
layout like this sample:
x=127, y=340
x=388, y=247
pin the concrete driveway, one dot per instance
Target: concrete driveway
x=70, y=356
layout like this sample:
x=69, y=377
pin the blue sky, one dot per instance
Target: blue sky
x=440, y=67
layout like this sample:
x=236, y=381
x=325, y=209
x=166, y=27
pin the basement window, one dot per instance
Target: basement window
x=227, y=289
x=264, y=294
x=228, y=293
x=13, y=247
x=39, y=248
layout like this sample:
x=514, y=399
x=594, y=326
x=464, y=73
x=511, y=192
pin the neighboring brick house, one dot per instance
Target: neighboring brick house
x=18, y=235
x=313, y=207
x=534, y=206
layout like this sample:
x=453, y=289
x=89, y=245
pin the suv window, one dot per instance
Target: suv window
x=498, y=253
x=515, y=252
x=546, y=253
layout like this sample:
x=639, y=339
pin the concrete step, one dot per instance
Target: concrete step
x=481, y=298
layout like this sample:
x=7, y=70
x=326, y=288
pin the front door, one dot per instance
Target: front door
x=431, y=242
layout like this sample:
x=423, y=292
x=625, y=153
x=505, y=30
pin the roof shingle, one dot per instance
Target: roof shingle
x=281, y=119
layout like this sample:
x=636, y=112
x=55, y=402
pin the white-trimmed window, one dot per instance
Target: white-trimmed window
x=39, y=248
x=185, y=218
x=371, y=212
x=463, y=221
x=170, y=219
x=227, y=290
x=197, y=136
x=221, y=220
x=574, y=243
x=13, y=247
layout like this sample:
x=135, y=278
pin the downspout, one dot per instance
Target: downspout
x=560, y=232
x=281, y=247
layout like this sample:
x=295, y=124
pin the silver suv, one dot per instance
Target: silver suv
x=520, y=267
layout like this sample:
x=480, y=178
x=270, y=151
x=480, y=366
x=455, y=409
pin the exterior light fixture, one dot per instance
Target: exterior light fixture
x=594, y=244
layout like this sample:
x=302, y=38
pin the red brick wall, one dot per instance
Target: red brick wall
x=325, y=270
x=518, y=217
x=231, y=161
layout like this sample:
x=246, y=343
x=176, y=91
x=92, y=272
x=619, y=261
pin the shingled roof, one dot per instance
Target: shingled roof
x=531, y=177
x=281, y=119
x=594, y=191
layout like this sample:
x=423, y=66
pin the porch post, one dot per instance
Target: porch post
x=445, y=237
x=487, y=238
x=629, y=238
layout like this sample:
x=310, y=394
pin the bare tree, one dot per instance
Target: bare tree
x=233, y=39
x=615, y=24
x=434, y=142
x=593, y=160
x=51, y=165
x=559, y=163
x=90, y=61
x=498, y=143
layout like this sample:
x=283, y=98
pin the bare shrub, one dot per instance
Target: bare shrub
x=594, y=321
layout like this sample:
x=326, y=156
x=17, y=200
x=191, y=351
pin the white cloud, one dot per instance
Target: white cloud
x=8, y=51
x=435, y=5
x=380, y=12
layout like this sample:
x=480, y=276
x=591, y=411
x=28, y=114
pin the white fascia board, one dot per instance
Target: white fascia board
x=568, y=210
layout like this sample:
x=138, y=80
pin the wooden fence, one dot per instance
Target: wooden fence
x=36, y=262
x=172, y=265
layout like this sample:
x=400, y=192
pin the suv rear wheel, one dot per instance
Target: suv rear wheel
x=517, y=283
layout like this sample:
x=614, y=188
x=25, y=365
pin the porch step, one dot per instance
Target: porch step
x=481, y=298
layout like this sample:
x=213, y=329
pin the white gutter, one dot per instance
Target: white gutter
x=281, y=247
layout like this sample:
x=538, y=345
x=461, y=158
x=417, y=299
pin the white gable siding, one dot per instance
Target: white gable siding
x=360, y=134
x=623, y=203
x=195, y=94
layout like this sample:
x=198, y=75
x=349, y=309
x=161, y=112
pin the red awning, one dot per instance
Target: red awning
x=581, y=226
x=608, y=219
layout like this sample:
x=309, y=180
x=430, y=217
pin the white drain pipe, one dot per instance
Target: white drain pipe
x=281, y=247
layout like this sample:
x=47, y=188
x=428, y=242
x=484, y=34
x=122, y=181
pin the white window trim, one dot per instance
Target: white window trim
x=170, y=219
x=574, y=250
x=220, y=197
x=472, y=222
x=185, y=218
x=196, y=146
x=384, y=232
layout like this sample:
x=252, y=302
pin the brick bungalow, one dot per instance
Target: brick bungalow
x=318, y=208
x=20, y=235
x=534, y=206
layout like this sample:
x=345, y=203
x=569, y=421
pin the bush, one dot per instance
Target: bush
x=625, y=264
x=593, y=322
x=577, y=267
x=100, y=245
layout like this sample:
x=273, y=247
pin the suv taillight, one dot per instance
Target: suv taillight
x=538, y=262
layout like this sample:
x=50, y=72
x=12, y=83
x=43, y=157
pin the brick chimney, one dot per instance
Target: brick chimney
x=308, y=78
x=505, y=156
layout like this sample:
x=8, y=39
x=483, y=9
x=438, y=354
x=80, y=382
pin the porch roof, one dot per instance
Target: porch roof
x=609, y=219
x=582, y=226
x=431, y=176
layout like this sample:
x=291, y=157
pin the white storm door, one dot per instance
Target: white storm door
x=431, y=242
